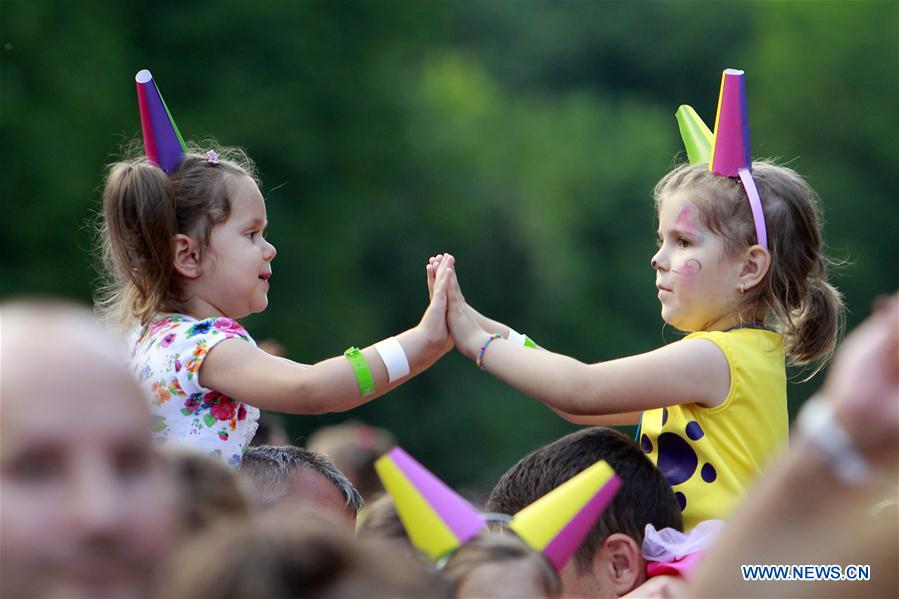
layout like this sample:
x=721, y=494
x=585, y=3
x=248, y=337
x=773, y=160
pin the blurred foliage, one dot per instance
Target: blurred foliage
x=523, y=137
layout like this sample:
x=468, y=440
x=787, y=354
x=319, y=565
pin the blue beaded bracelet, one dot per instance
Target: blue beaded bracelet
x=479, y=361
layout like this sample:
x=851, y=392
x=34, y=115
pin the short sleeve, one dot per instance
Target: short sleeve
x=191, y=343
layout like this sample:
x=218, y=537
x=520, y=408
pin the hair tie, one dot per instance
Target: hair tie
x=212, y=157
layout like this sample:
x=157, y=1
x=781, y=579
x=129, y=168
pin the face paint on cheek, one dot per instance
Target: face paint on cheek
x=688, y=268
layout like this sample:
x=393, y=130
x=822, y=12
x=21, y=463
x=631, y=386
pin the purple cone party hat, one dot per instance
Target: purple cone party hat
x=162, y=140
x=437, y=519
x=729, y=153
x=557, y=523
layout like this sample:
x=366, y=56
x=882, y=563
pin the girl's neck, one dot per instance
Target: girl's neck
x=735, y=320
x=200, y=309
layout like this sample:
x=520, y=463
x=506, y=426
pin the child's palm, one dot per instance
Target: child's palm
x=464, y=328
x=434, y=320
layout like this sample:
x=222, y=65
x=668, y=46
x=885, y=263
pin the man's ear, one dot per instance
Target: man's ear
x=756, y=263
x=623, y=558
x=187, y=256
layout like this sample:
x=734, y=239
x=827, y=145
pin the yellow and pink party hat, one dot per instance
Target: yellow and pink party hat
x=728, y=150
x=557, y=523
x=437, y=518
x=163, y=143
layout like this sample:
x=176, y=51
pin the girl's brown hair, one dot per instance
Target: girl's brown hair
x=143, y=209
x=798, y=299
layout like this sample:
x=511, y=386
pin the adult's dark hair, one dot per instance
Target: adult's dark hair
x=645, y=496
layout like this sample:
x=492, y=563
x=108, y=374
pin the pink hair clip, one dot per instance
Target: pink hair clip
x=212, y=157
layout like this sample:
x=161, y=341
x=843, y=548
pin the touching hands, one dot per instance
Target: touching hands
x=467, y=332
x=467, y=326
x=434, y=321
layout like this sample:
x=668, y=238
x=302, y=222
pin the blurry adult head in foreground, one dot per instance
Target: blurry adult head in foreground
x=87, y=507
x=209, y=492
x=609, y=563
x=354, y=447
x=288, y=479
x=309, y=558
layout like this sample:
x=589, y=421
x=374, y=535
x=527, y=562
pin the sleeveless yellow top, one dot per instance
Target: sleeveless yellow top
x=711, y=455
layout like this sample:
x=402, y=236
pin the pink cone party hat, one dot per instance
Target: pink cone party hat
x=557, y=523
x=730, y=144
x=730, y=154
x=162, y=140
x=437, y=519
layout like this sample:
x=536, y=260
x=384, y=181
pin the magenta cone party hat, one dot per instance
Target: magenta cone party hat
x=730, y=145
x=437, y=519
x=162, y=140
x=557, y=523
x=731, y=153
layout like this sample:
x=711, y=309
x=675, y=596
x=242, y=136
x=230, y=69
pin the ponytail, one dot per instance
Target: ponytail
x=139, y=221
x=815, y=325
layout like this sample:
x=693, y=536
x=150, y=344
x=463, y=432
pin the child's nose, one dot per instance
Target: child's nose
x=657, y=261
x=270, y=252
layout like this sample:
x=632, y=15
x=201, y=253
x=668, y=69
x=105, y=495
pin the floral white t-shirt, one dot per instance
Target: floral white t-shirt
x=166, y=357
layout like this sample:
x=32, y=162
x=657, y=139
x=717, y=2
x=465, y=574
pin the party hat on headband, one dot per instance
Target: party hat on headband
x=696, y=135
x=162, y=140
x=437, y=519
x=557, y=523
x=730, y=144
x=730, y=154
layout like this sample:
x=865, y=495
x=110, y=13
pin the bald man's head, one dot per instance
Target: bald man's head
x=86, y=503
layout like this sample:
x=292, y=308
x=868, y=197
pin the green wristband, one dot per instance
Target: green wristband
x=528, y=342
x=360, y=367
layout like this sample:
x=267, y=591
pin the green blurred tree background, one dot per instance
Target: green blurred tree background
x=524, y=137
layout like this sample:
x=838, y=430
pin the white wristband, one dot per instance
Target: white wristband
x=515, y=338
x=818, y=426
x=394, y=357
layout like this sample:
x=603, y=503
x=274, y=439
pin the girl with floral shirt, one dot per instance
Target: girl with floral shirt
x=185, y=255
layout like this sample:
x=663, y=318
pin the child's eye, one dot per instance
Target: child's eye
x=252, y=235
x=682, y=242
x=658, y=242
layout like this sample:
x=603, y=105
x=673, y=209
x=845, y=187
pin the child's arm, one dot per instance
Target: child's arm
x=624, y=419
x=690, y=371
x=248, y=374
